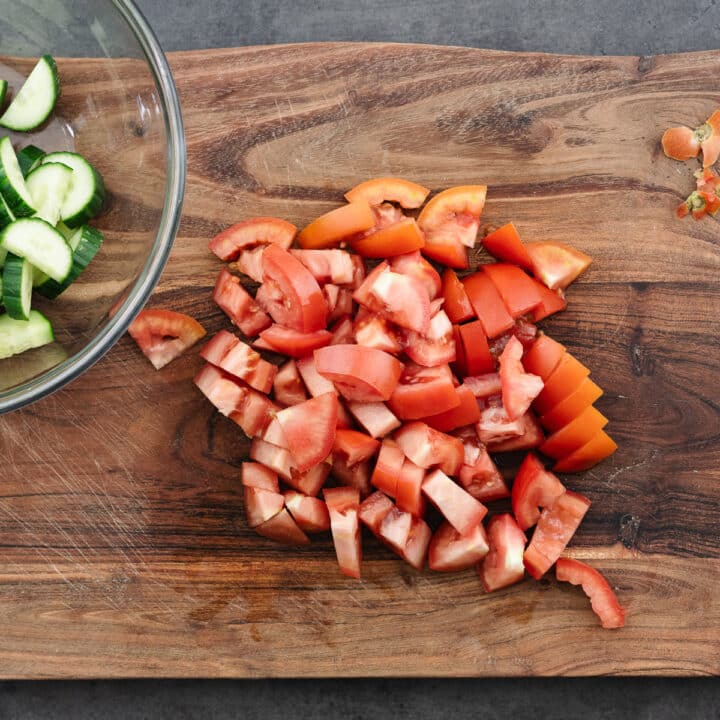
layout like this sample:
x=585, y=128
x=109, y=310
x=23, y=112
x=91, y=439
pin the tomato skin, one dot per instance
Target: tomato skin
x=373, y=510
x=467, y=412
x=355, y=446
x=487, y=304
x=377, y=191
x=398, y=239
x=376, y=418
x=359, y=373
x=575, y=434
x=519, y=388
x=505, y=244
x=479, y=475
x=551, y=302
x=517, y=290
x=293, y=343
x=451, y=551
x=333, y=227
x=602, y=598
x=283, y=529
x=288, y=388
x=561, y=382
x=680, y=143
x=534, y=488
x=388, y=467
x=436, y=346
x=259, y=476
x=248, y=234
x=457, y=304
x=569, y=408
x=152, y=330
x=343, y=504
x=478, y=359
x=554, y=530
x=530, y=436
x=238, y=304
x=543, y=357
x=414, y=265
x=600, y=446
x=556, y=264
x=503, y=565
x=261, y=505
x=409, y=497
x=423, y=391
x=310, y=513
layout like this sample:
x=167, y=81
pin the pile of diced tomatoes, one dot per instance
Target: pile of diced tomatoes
x=398, y=384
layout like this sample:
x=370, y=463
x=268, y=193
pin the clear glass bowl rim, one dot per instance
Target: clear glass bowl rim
x=53, y=379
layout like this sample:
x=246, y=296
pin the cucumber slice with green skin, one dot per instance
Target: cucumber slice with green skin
x=17, y=278
x=17, y=336
x=3, y=90
x=29, y=158
x=6, y=216
x=87, y=190
x=49, y=185
x=12, y=183
x=36, y=99
x=41, y=244
x=85, y=243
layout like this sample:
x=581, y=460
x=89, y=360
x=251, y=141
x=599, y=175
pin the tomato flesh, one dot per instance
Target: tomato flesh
x=293, y=343
x=356, y=476
x=479, y=475
x=373, y=510
x=458, y=507
x=402, y=299
x=423, y=391
x=388, y=467
x=478, y=359
x=534, y=488
x=375, y=417
x=494, y=425
x=457, y=304
x=428, y=448
x=551, y=302
x=238, y=304
x=519, y=388
x=283, y=529
x=503, y=565
x=517, y=290
x=416, y=547
x=402, y=237
x=310, y=513
x=436, y=346
x=505, y=244
x=250, y=263
x=355, y=446
x=164, y=335
x=343, y=504
x=484, y=386
x=557, y=264
x=327, y=266
x=487, y=304
x=451, y=551
x=408, y=495
x=333, y=227
x=414, y=265
x=288, y=388
x=467, y=412
x=261, y=505
x=375, y=331
x=259, y=476
x=530, y=436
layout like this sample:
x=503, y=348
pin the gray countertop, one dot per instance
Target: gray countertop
x=565, y=26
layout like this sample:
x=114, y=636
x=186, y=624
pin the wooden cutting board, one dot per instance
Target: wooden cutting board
x=125, y=551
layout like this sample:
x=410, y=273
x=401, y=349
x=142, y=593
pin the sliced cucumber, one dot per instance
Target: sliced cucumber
x=85, y=243
x=17, y=336
x=41, y=244
x=12, y=184
x=29, y=158
x=6, y=216
x=3, y=90
x=17, y=278
x=36, y=99
x=87, y=190
x=49, y=185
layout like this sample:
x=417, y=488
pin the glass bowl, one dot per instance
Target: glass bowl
x=118, y=108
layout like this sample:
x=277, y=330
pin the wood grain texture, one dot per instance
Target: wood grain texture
x=125, y=551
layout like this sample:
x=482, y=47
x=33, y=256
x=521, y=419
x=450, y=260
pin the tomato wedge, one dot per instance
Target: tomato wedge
x=428, y=448
x=238, y=304
x=534, y=488
x=375, y=417
x=315, y=383
x=479, y=475
x=603, y=600
x=359, y=373
x=551, y=302
x=248, y=234
x=163, y=335
x=333, y=227
x=600, y=446
x=562, y=381
x=402, y=299
x=408, y=496
x=543, y=357
x=554, y=530
x=458, y=507
x=503, y=565
x=283, y=529
x=531, y=436
x=436, y=346
x=575, y=434
x=519, y=388
x=259, y=476
x=478, y=359
x=407, y=194
x=375, y=331
x=457, y=304
x=373, y=510
x=505, y=244
x=402, y=237
x=395, y=529
x=261, y=505
x=310, y=513
x=414, y=265
x=357, y=476
x=293, y=343
x=388, y=467
x=484, y=386
x=343, y=504
x=467, y=412
x=451, y=551
x=423, y=391
x=494, y=425
x=557, y=264
x=487, y=304
x=355, y=446
x=327, y=266
x=271, y=456
x=288, y=388
x=416, y=547
x=569, y=408
x=250, y=263
x=517, y=290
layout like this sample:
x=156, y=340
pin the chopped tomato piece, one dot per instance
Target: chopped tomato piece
x=238, y=305
x=487, y=303
x=293, y=343
x=275, y=435
x=534, y=489
x=327, y=266
x=517, y=290
x=375, y=331
x=240, y=360
x=575, y=434
x=478, y=359
x=479, y=475
x=423, y=391
x=569, y=408
x=276, y=458
x=551, y=302
x=343, y=504
x=562, y=381
x=416, y=547
x=680, y=143
x=373, y=510
x=409, y=495
x=288, y=388
x=333, y=227
x=484, y=386
x=248, y=234
x=402, y=237
x=250, y=263
x=362, y=294
x=457, y=304
x=359, y=272
x=519, y=388
x=526, y=332
x=451, y=551
x=259, y=476
x=377, y=191
x=356, y=476
x=375, y=417
x=557, y=264
x=531, y=436
x=460, y=364
x=359, y=373
x=342, y=332
x=261, y=505
x=503, y=565
x=505, y=244
x=313, y=380
x=543, y=357
x=602, y=598
x=339, y=301
x=402, y=299
x=703, y=201
x=310, y=513
x=388, y=467
x=283, y=529
x=254, y=413
x=163, y=335
x=427, y=447
x=395, y=529
x=600, y=446
x=311, y=481
x=458, y=507
x=554, y=530
x=494, y=425
x=414, y=265
x=466, y=413
x=355, y=446
x=436, y=346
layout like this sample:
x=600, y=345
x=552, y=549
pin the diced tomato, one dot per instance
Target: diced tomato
x=342, y=332
x=327, y=266
x=526, y=332
x=495, y=426
x=600, y=446
x=238, y=305
x=409, y=495
x=519, y=388
x=479, y=476
x=531, y=436
x=516, y=289
x=466, y=413
x=602, y=598
x=460, y=364
x=388, y=189
x=543, y=357
x=250, y=263
x=362, y=294
x=416, y=547
x=414, y=265
x=343, y=304
x=343, y=504
x=163, y=335
x=395, y=529
x=356, y=476
x=373, y=510
x=402, y=237
x=554, y=530
x=359, y=373
x=561, y=382
x=276, y=458
x=428, y=448
x=355, y=446
x=375, y=417
x=451, y=551
x=484, y=386
x=275, y=435
x=288, y=388
x=569, y=408
x=248, y=234
x=358, y=273
x=310, y=429
x=312, y=379
x=458, y=507
x=218, y=347
x=333, y=227
x=505, y=244
x=310, y=513
x=423, y=391
x=503, y=565
x=375, y=331
x=254, y=413
x=259, y=476
x=478, y=359
x=293, y=296
x=457, y=304
x=311, y=481
x=283, y=529
x=575, y=434
x=487, y=304
x=534, y=488
x=402, y=299
x=557, y=264
x=261, y=505
x=436, y=346
x=388, y=467
x=551, y=302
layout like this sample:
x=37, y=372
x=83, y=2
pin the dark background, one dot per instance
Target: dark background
x=596, y=27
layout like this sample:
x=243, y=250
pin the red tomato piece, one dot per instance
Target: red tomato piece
x=362, y=294
x=561, y=382
x=505, y=244
x=458, y=507
x=460, y=365
x=466, y=413
x=600, y=446
x=388, y=467
x=484, y=386
x=259, y=476
x=359, y=272
x=250, y=263
x=375, y=418
x=261, y=505
x=375, y=331
x=373, y=510
x=423, y=391
x=557, y=264
x=294, y=299
x=416, y=547
x=516, y=289
x=436, y=346
x=479, y=476
x=238, y=305
x=310, y=513
x=288, y=388
x=342, y=332
x=478, y=359
x=569, y=408
x=519, y=388
x=248, y=234
x=534, y=489
x=333, y=227
x=413, y=264
x=402, y=237
x=503, y=565
x=402, y=299
x=275, y=435
x=359, y=373
x=487, y=304
x=254, y=413
x=451, y=551
x=495, y=426
x=343, y=504
x=377, y=191
x=357, y=476
x=409, y=497
x=163, y=335
x=312, y=379
x=554, y=530
x=551, y=302
x=603, y=600
x=311, y=481
x=283, y=529
x=531, y=436
x=526, y=332
x=575, y=434
x=355, y=446
x=457, y=304
x=218, y=347
x=327, y=266
x=395, y=529
x=343, y=305
x=428, y=448
x=543, y=357
x=276, y=458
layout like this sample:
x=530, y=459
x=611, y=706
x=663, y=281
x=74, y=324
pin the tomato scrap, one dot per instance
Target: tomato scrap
x=164, y=335
x=682, y=143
